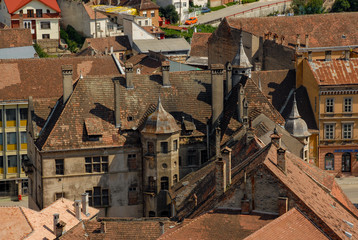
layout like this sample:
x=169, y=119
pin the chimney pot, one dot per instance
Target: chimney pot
x=165, y=73
x=85, y=204
x=276, y=138
x=67, y=72
x=328, y=55
x=106, y=50
x=78, y=209
x=56, y=220
x=111, y=49
x=281, y=159
x=310, y=56
x=129, y=75
x=162, y=230
x=217, y=93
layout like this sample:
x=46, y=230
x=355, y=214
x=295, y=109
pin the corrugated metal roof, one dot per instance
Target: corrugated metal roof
x=17, y=52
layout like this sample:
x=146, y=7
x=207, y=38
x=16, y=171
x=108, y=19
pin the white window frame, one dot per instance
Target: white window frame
x=347, y=130
x=144, y=13
x=329, y=129
x=329, y=104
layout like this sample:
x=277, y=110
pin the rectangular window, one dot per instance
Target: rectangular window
x=144, y=13
x=0, y=117
x=10, y=117
x=11, y=141
x=152, y=14
x=132, y=161
x=30, y=13
x=45, y=25
x=140, y=23
x=164, y=147
x=329, y=105
x=96, y=164
x=347, y=105
x=59, y=195
x=39, y=13
x=177, y=5
x=175, y=145
x=329, y=131
x=1, y=164
x=184, y=4
x=347, y=130
x=132, y=196
x=23, y=140
x=23, y=117
x=97, y=196
x=1, y=142
x=60, y=170
x=45, y=36
x=90, y=198
x=12, y=164
x=100, y=197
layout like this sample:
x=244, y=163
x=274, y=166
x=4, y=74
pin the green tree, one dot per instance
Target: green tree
x=341, y=6
x=301, y=7
x=170, y=13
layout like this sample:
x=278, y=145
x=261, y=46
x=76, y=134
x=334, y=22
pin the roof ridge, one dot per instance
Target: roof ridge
x=27, y=220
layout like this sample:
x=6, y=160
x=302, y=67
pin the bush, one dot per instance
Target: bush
x=170, y=13
x=231, y=4
x=345, y=6
x=170, y=33
x=40, y=52
x=217, y=8
x=302, y=7
x=248, y=1
x=73, y=39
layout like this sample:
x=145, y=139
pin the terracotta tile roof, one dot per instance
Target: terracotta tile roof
x=14, y=5
x=15, y=38
x=335, y=72
x=324, y=30
x=153, y=30
x=199, y=44
x=146, y=64
x=173, y=27
x=42, y=78
x=141, y=4
x=119, y=43
x=92, y=15
x=219, y=224
x=292, y=225
x=119, y=228
x=39, y=225
x=14, y=224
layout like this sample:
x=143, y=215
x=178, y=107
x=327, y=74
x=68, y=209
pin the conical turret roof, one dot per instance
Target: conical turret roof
x=160, y=122
x=241, y=60
x=295, y=125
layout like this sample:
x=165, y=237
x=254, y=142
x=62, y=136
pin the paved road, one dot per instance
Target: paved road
x=7, y=202
x=232, y=10
x=349, y=186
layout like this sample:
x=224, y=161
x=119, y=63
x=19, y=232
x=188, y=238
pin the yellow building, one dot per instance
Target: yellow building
x=331, y=80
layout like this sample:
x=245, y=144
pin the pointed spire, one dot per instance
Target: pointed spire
x=241, y=60
x=294, y=112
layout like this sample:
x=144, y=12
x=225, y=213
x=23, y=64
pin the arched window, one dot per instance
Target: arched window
x=346, y=162
x=164, y=183
x=329, y=161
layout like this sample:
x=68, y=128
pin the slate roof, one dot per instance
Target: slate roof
x=293, y=225
x=19, y=222
x=119, y=43
x=141, y=4
x=119, y=228
x=14, y=5
x=42, y=78
x=199, y=44
x=324, y=30
x=335, y=72
x=15, y=37
x=219, y=224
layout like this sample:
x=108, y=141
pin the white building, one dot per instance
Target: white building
x=181, y=6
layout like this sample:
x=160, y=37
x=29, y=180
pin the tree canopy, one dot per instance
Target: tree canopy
x=301, y=7
x=170, y=13
x=345, y=6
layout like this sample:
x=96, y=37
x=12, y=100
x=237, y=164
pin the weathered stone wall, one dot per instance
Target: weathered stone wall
x=277, y=56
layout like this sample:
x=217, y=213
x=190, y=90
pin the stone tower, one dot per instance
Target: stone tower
x=240, y=64
x=160, y=142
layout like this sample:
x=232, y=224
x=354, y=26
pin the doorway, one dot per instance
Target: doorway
x=346, y=162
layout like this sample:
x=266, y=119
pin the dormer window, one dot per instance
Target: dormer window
x=94, y=129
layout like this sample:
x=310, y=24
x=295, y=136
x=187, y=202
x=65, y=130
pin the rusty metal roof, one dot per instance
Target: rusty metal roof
x=160, y=122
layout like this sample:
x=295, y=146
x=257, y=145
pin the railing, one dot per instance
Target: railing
x=260, y=7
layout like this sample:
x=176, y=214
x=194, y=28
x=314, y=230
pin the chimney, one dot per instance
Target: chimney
x=129, y=75
x=226, y=154
x=249, y=133
x=217, y=92
x=59, y=229
x=298, y=41
x=347, y=54
x=240, y=103
x=56, y=220
x=111, y=49
x=67, y=82
x=103, y=227
x=220, y=177
x=228, y=78
x=310, y=56
x=217, y=140
x=281, y=159
x=306, y=40
x=276, y=138
x=117, y=108
x=21, y=20
x=85, y=204
x=165, y=73
x=328, y=55
x=78, y=209
x=245, y=205
x=106, y=50
x=282, y=205
x=275, y=38
x=162, y=230
x=92, y=52
x=282, y=40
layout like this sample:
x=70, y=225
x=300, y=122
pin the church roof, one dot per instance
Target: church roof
x=240, y=59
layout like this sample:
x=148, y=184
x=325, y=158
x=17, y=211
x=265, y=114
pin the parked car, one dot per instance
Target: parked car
x=205, y=10
x=191, y=20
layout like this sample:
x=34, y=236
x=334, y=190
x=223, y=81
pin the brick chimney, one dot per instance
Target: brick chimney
x=220, y=177
x=67, y=82
x=85, y=204
x=129, y=75
x=328, y=55
x=307, y=40
x=165, y=73
x=103, y=227
x=78, y=209
x=117, y=105
x=226, y=155
x=217, y=92
x=282, y=205
x=161, y=226
x=276, y=138
x=281, y=159
x=228, y=78
x=59, y=229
